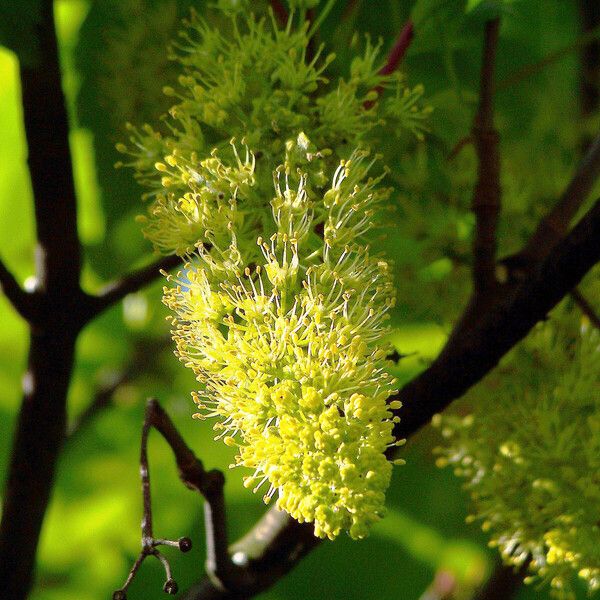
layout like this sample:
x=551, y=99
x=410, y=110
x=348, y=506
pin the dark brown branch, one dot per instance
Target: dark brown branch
x=129, y=284
x=208, y=483
x=556, y=223
x=155, y=416
x=503, y=584
x=395, y=56
x=21, y=301
x=486, y=196
x=468, y=357
x=586, y=308
x=40, y=427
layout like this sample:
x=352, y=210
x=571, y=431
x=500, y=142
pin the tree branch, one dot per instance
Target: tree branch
x=468, y=357
x=129, y=284
x=15, y=294
x=41, y=423
x=399, y=49
x=58, y=260
x=486, y=196
x=395, y=56
x=556, y=223
x=222, y=570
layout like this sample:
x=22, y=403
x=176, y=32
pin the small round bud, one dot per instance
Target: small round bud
x=171, y=587
x=119, y=595
x=185, y=544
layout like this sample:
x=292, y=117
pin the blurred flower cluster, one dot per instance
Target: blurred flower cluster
x=530, y=456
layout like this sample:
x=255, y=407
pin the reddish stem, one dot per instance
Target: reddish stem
x=395, y=56
x=399, y=49
x=279, y=11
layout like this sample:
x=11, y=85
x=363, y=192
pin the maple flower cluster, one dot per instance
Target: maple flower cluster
x=260, y=177
x=290, y=351
x=530, y=456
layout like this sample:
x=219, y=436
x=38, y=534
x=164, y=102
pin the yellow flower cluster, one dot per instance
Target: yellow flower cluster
x=290, y=352
x=530, y=457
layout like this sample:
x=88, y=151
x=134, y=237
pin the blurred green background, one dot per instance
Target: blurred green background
x=114, y=65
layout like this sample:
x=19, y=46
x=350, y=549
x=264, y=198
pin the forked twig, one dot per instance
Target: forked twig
x=209, y=483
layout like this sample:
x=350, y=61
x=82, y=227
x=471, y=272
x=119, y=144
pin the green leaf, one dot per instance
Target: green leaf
x=472, y=4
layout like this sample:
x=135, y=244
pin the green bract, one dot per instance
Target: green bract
x=530, y=455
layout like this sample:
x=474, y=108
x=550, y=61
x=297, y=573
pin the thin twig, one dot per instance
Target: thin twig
x=398, y=50
x=586, y=308
x=526, y=72
x=210, y=484
x=128, y=284
x=149, y=542
x=395, y=56
x=556, y=223
x=14, y=293
x=486, y=196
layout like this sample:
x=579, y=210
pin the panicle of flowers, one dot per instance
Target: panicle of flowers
x=288, y=346
x=530, y=457
x=253, y=79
